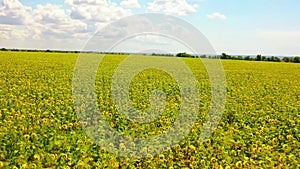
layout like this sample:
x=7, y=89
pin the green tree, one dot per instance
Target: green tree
x=272, y=58
x=247, y=58
x=258, y=58
x=277, y=59
x=297, y=59
x=241, y=58
x=225, y=56
x=286, y=59
x=184, y=55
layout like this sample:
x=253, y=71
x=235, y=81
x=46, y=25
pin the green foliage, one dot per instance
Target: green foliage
x=184, y=55
x=247, y=58
x=261, y=58
x=225, y=56
x=39, y=128
x=296, y=59
x=258, y=58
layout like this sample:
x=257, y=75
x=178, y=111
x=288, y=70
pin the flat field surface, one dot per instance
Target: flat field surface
x=39, y=127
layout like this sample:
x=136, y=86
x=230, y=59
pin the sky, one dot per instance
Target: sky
x=248, y=27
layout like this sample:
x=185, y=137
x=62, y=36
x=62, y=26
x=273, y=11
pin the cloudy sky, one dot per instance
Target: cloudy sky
x=268, y=27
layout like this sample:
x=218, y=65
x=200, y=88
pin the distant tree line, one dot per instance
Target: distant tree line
x=185, y=55
x=248, y=58
x=261, y=58
x=36, y=50
x=59, y=51
x=162, y=54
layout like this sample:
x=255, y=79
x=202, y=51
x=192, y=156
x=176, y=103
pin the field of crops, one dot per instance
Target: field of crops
x=40, y=129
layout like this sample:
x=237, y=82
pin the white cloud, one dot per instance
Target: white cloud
x=13, y=18
x=216, y=15
x=178, y=7
x=52, y=20
x=12, y=32
x=131, y=4
x=86, y=2
x=53, y=26
x=13, y=12
x=96, y=10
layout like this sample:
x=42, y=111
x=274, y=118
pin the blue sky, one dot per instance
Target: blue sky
x=268, y=27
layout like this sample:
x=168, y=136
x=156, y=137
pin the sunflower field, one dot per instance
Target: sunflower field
x=39, y=127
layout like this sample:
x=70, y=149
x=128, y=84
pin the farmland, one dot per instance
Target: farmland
x=39, y=127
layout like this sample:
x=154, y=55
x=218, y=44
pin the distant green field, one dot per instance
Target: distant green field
x=39, y=127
